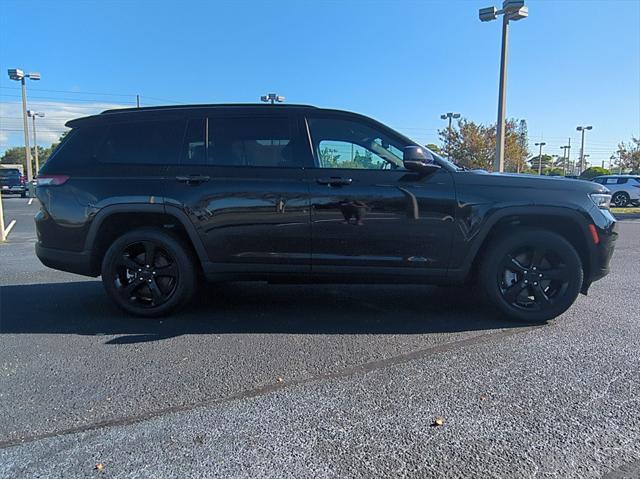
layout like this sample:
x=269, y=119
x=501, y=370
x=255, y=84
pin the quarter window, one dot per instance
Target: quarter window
x=151, y=142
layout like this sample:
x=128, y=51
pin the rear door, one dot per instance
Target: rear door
x=370, y=216
x=241, y=182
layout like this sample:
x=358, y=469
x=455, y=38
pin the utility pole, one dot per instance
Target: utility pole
x=582, y=129
x=541, y=144
x=511, y=10
x=138, y=101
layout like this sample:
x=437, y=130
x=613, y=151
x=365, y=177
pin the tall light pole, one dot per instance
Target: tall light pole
x=511, y=10
x=566, y=156
x=449, y=116
x=272, y=98
x=582, y=129
x=541, y=144
x=18, y=75
x=33, y=115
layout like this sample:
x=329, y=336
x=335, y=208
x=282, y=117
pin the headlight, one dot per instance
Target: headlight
x=601, y=200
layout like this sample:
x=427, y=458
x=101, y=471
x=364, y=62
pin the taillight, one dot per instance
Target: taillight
x=52, y=180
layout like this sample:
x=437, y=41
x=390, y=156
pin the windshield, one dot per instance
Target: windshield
x=5, y=172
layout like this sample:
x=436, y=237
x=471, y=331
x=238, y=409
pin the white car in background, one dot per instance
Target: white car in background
x=625, y=189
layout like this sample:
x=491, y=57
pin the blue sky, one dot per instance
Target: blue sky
x=402, y=62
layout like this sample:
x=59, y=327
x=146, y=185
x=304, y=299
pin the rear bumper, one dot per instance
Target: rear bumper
x=70, y=261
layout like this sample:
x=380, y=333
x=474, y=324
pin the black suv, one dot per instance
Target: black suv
x=157, y=199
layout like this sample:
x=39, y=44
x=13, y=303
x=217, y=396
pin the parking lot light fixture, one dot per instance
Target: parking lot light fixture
x=541, y=144
x=34, y=115
x=18, y=75
x=582, y=129
x=272, y=98
x=511, y=10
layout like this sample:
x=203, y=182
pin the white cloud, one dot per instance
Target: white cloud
x=48, y=128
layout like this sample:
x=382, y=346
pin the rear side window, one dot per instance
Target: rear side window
x=259, y=141
x=150, y=143
x=622, y=181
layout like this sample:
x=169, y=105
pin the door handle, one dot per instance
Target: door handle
x=192, y=179
x=335, y=181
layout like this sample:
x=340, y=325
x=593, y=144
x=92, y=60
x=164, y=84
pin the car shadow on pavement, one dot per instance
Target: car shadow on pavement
x=232, y=308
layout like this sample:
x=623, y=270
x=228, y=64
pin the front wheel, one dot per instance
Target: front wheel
x=148, y=272
x=532, y=275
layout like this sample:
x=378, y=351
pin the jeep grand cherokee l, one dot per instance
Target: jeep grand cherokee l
x=157, y=199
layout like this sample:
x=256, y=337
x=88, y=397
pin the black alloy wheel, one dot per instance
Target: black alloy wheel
x=531, y=275
x=532, y=278
x=148, y=272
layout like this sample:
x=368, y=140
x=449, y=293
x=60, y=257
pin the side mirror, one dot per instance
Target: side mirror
x=419, y=160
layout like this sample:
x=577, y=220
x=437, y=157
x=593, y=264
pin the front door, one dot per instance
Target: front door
x=369, y=215
x=241, y=182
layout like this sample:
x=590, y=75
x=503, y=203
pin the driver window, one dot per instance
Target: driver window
x=342, y=154
x=348, y=144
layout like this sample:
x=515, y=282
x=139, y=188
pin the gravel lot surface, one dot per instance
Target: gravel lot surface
x=313, y=381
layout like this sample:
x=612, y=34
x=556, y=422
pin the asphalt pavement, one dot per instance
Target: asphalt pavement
x=257, y=380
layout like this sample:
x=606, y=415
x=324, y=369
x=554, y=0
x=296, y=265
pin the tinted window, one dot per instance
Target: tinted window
x=77, y=148
x=5, y=172
x=341, y=143
x=622, y=181
x=266, y=142
x=193, y=149
x=152, y=142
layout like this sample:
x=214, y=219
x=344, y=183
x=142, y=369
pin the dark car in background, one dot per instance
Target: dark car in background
x=12, y=182
x=159, y=199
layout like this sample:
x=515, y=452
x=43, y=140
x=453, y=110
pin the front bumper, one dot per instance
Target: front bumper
x=13, y=189
x=607, y=229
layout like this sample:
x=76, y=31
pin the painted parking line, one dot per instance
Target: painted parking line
x=30, y=201
x=7, y=230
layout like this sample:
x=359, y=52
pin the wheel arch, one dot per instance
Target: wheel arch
x=572, y=225
x=112, y=221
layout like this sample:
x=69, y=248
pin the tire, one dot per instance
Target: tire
x=621, y=199
x=510, y=275
x=149, y=272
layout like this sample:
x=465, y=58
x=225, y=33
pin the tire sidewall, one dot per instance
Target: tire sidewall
x=184, y=262
x=621, y=194
x=525, y=238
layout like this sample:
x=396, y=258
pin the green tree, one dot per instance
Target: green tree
x=547, y=162
x=473, y=144
x=593, y=172
x=329, y=157
x=628, y=156
x=433, y=147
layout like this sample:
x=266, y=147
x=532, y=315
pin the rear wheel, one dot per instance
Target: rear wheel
x=620, y=199
x=532, y=275
x=149, y=272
